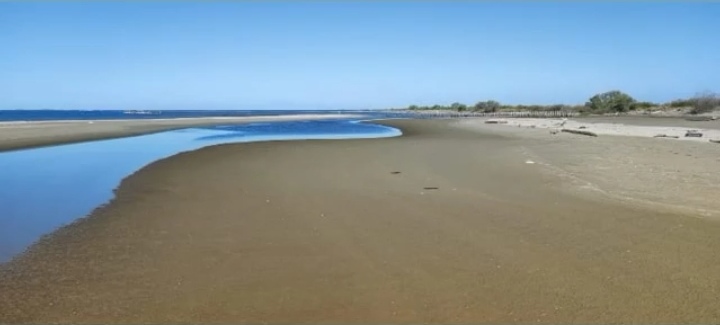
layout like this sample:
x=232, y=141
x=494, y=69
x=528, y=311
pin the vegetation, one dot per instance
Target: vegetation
x=704, y=103
x=614, y=101
x=611, y=102
x=487, y=106
x=458, y=107
x=680, y=103
x=645, y=105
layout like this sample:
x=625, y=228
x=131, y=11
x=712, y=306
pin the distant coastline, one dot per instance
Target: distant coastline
x=33, y=134
x=612, y=102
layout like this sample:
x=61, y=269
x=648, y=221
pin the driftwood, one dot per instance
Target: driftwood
x=715, y=141
x=495, y=122
x=700, y=118
x=581, y=132
x=666, y=136
x=693, y=134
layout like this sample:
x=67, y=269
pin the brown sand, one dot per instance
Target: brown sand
x=21, y=135
x=324, y=231
x=663, y=173
x=618, y=126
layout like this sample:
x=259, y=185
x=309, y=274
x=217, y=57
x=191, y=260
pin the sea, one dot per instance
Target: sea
x=42, y=189
x=64, y=115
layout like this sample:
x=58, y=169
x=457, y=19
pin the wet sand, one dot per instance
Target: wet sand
x=328, y=231
x=22, y=135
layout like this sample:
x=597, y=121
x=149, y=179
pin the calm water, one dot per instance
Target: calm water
x=42, y=189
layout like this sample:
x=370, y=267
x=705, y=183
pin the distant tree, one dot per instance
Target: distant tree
x=438, y=107
x=611, y=101
x=458, y=107
x=487, y=106
x=704, y=103
x=413, y=107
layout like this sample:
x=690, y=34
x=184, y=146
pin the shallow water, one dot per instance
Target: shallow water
x=42, y=189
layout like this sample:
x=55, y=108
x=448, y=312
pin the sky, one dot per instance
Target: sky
x=351, y=55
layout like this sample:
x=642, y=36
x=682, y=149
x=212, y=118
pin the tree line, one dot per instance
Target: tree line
x=613, y=101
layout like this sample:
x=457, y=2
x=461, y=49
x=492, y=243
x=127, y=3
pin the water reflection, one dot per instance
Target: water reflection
x=44, y=188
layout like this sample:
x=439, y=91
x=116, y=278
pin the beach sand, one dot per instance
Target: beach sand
x=646, y=127
x=626, y=161
x=446, y=224
x=22, y=135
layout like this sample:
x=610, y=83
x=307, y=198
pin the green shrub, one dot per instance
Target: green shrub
x=487, y=106
x=458, y=107
x=611, y=101
x=645, y=105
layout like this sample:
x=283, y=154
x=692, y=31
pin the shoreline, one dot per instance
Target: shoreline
x=102, y=174
x=19, y=135
x=465, y=231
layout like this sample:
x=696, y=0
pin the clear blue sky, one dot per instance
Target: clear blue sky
x=258, y=55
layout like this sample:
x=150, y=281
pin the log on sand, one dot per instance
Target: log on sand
x=581, y=132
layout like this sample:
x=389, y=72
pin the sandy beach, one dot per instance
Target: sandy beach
x=626, y=161
x=454, y=222
x=674, y=128
x=19, y=135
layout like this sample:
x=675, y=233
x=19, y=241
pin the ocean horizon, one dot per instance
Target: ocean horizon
x=98, y=114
